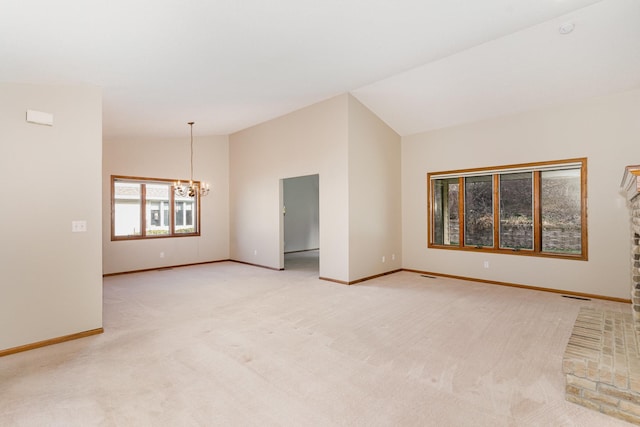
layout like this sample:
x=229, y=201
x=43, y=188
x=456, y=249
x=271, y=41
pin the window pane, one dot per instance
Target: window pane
x=126, y=209
x=516, y=210
x=188, y=214
x=185, y=213
x=561, y=211
x=446, y=224
x=157, y=196
x=165, y=213
x=179, y=214
x=478, y=211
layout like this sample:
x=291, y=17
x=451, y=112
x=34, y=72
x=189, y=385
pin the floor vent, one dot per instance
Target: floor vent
x=428, y=277
x=574, y=297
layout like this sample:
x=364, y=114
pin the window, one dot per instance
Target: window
x=144, y=208
x=478, y=211
x=527, y=209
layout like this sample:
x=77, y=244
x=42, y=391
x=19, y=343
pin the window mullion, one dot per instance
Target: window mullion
x=143, y=210
x=196, y=217
x=432, y=225
x=537, y=214
x=172, y=213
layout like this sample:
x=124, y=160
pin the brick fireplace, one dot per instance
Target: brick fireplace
x=602, y=359
x=631, y=186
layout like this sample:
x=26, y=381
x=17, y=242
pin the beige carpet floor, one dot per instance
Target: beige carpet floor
x=228, y=344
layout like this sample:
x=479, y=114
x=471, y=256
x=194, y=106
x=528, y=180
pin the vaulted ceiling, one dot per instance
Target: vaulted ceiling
x=229, y=64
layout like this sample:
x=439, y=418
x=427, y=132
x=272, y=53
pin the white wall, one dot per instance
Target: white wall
x=358, y=160
x=301, y=222
x=51, y=278
x=169, y=159
x=375, y=228
x=606, y=130
x=310, y=141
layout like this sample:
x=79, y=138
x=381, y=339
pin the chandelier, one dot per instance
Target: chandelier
x=184, y=190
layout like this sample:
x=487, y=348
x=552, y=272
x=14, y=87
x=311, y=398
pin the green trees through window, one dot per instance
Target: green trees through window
x=528, y=209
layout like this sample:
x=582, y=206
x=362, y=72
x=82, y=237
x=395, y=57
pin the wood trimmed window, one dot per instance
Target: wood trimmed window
x=537, y=209
x=148, y=208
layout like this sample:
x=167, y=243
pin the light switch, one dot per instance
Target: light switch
x=78, y=226
x=39, y=117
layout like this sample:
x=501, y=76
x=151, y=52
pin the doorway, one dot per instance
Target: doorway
x=300, y=223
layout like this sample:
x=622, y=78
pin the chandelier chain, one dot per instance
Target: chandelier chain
x=192, y=189
x=191, y=171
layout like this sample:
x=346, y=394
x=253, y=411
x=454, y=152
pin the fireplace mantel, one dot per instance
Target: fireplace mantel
x=631, y=181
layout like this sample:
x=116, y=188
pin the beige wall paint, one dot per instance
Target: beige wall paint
x=312, y=140
x=51, y=278
x=357, y=158
x=606, y=130
x=375, y=228
x=169, y=159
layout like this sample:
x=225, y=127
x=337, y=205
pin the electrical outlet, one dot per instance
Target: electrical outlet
x=393, y=257
x=161, y=254
x=383, y=258
x=78, y=226
x=486, y=264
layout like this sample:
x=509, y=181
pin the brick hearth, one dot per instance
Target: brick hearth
x=602, y=359
x=602, y=364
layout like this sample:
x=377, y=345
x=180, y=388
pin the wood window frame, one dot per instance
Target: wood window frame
x=495, y=171
x=172, y=215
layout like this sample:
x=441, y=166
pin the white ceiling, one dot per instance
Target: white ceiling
x=230, y=64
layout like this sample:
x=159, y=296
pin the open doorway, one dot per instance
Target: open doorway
x=300, y=226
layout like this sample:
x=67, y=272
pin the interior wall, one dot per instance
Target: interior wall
x=375, y=215
x=51, y=277
x=168, y=158
x=309, y=141
x=301, y=221
x=606, y=130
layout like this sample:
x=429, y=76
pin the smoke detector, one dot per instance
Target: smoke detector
x=566, y=28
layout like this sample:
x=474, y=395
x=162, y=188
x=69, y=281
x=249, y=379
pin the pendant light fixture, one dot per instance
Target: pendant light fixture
x=184, y=190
